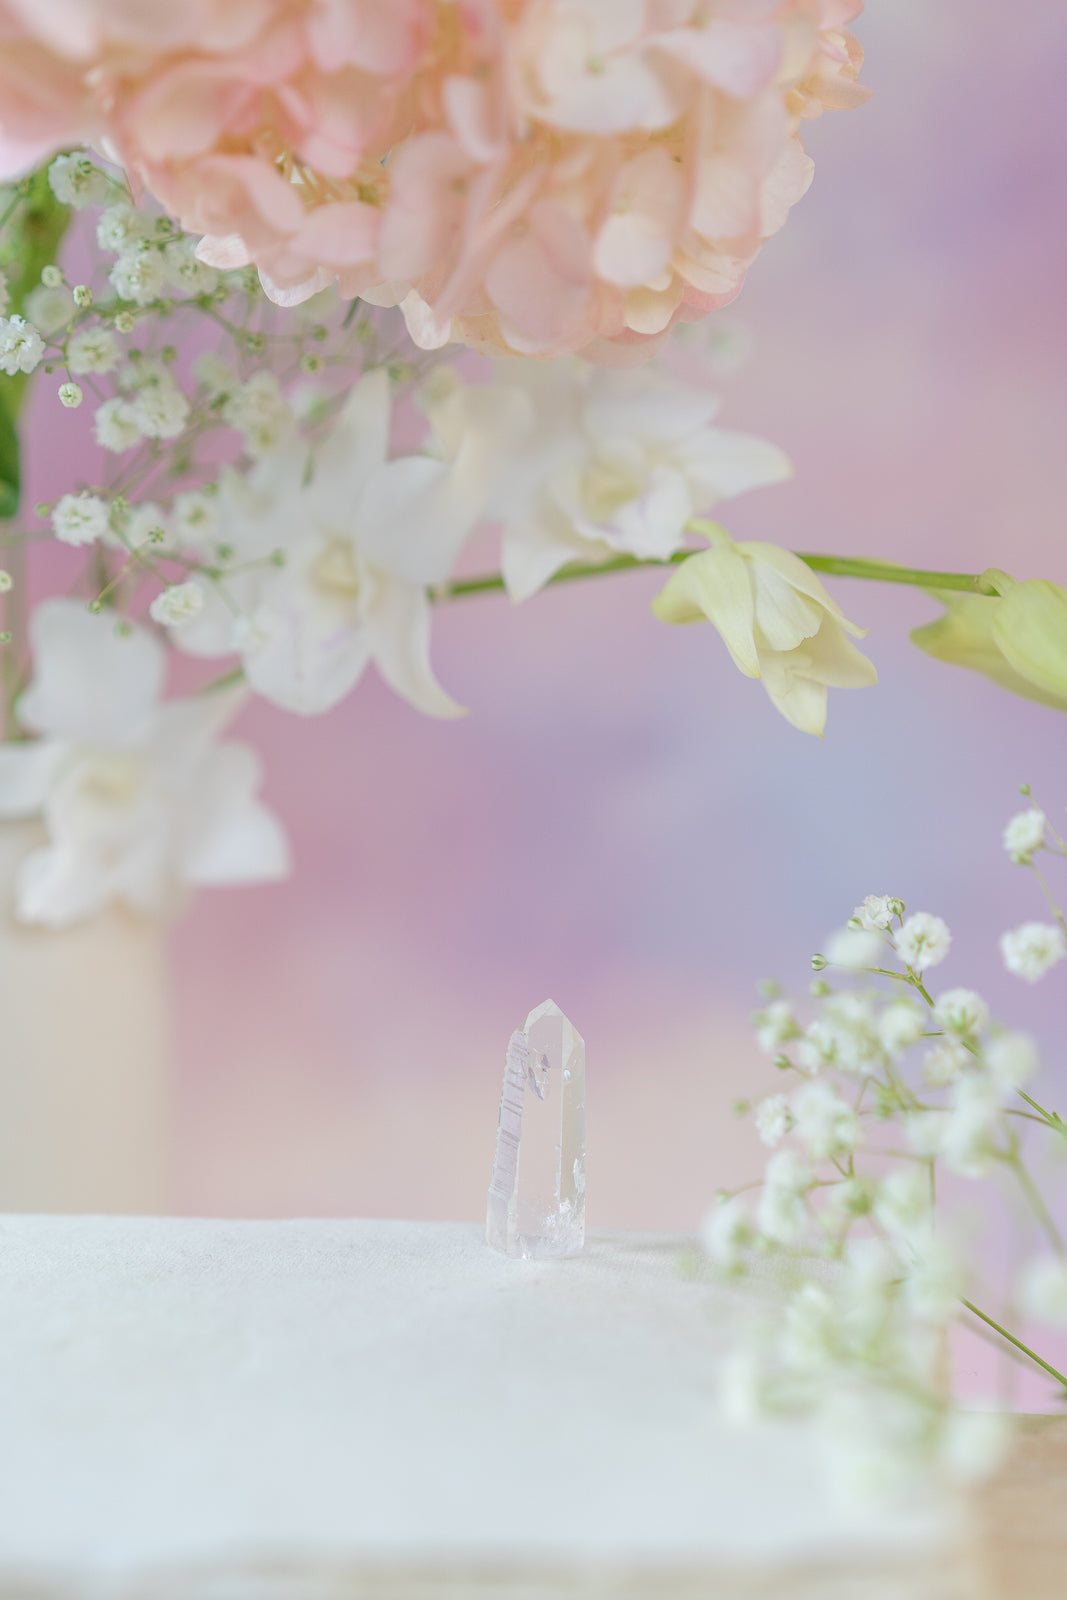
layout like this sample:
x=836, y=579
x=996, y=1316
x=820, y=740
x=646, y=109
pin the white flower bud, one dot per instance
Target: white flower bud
x=70, y=395
x=51, y=277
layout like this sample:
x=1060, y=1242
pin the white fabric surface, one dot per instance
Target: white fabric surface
x=260, y=1398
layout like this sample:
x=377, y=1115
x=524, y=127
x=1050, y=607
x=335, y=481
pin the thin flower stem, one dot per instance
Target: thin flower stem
x=1025, y=1348
x=1053, y=1119
x=11, y=209
x=889, y=572
x=836, y=566
x=1036, y=1201
x=996, y=1342
x=1029, y=1115
x=228, y=680
x=1047, y=892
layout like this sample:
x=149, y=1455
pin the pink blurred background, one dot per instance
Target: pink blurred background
x=623, y=822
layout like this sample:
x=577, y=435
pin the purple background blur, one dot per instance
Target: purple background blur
x=623, y=822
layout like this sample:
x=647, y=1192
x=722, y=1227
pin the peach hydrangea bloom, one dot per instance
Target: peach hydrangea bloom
x=533, y=176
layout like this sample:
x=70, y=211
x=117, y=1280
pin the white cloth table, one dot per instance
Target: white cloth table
x=222, y=1410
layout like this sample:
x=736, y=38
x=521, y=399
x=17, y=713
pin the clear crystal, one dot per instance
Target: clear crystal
x=537, y=1194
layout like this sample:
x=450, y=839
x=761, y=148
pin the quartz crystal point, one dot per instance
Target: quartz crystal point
x=537, y=1194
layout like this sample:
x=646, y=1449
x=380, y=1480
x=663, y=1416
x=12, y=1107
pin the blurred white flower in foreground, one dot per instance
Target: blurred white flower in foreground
x=139, y=799
x=1031, y=950
x=854, y=948
x=962, y=1011
x=606, y=463
x=923, y=941
x=336, y=552
x=1043, y=1291
x=775, y=618
x=1025, y=833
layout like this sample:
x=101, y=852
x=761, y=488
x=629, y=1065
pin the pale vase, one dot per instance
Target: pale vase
x=84, y=1057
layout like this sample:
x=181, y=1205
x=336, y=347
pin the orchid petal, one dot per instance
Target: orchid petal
x=233, y=838
x=356, y=447
x=399, y=627
x=91, y=682
x=715, y=584
x=27, y=772
x=299, y=668
x=721, y=463
x=56, y=886
x=533, y=549
x=799, y=576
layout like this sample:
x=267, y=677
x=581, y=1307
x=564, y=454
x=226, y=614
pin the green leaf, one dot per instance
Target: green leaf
x=9, y=462
x=30, y=243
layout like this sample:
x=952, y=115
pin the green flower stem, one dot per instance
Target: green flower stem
x=228, y=680
x=1051, y=1118
x=1025, y=1348
x=1036, y=1200
x=1049, y=896
x=835, y=566
x=889, y=572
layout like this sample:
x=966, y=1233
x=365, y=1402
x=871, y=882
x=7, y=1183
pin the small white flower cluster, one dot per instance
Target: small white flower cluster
x=893, y=1084
x=261, y=414
x=1035, y=948
x=21, y=346
x=154, y=261
x=77, y=181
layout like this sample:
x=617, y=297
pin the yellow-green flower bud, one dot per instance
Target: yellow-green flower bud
x=1030, y=628
x=965, y=637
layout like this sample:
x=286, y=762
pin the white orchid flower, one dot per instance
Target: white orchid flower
x=776, y=620
x=139, y=800
x=608, y=463
x=361, y=539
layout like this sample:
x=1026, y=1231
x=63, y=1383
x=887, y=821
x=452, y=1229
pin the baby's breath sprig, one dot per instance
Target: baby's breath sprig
x=897, y=1091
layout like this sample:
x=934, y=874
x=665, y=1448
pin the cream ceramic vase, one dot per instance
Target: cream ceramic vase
x=84, y=1033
